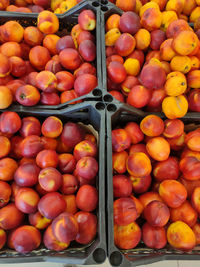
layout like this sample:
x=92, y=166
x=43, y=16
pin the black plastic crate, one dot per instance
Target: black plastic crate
x=66, y=22
x=88, y=113
x=119, y=115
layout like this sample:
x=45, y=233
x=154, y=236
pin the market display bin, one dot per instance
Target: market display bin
x=66, y=22
x=119, y=115
x=93, y=116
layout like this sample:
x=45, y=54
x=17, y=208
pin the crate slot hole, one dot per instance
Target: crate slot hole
x=104, y=2
x=97, y=92
x=115, y=258
x=100, y=106
x=111, y=107
x=104, y=8
x=96, y=4
x=99, y=255
x=108, y=98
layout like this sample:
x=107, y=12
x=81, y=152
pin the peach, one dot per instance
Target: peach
x=8, y=167
x=192, y=140
x=166, y=50
x=26, y=200
x=50, y=98
x=66, y=163
x=132, y=66
x=15, y=146
x=180, y=236
x=51, y=205
x=139, y=55
x=157, y=38
x=69, y=184
x=87, y=20
x=6, y=79
x=47, y=22
x=122, y=49
x=10, y=122
x=5, y=66
x=152, y=125
x=40, y=190
x=7, y=214
x=13, y=86
x=62, y=148
x=120, y=140
x=173, y=193
x=87, y=198
x=143, y=39
x=181, y=63
x=166, y=170
x=12, y=31
x=5, y=193
x=84, y=84
x=129, y=22
x=158, y=148
x=190, y=167
x=177, y=143
x=195, y=63
x=116, y=72
x=31, y=79
x=127, y=236
x=30, y=126
x=39, y=56
x=47, y=158
x=147, y=76
x=173, y=128
x=67, y=96
x=4, y=4
x=26, y=238
x=138, y=148
x=140, y=184
x=27, y=174
x=175, y=86
x=51, y=242
x=87, y=224
x=138, y=164
x=25, y=48
x=195, y=199
x=196, y=230
x=32, y=36
x=157, y=96
x=87, y=50
x=194, y=14
x=27, y=95
x=122, y=186
x=31, y=146
x=175, y=27
x=193, y=78
x=85, y=68
x=70, y=203
x=5, y=146
x=193, y=100
x=134, y=132
x=50, y=179
x=75, y=31
x=117, y=95
x=175, y=106
x=151, y=19
x=11, y=49
x=87, y=167
x=65, y=80
x=114, y=58
x=138, y=205
x=184, y=213
x=128, y=6
x=52, y=127
x=54, y=66
x=65, y=227
x=175, y=5
x=18, y=67
x=72, y=134
x=50, y=41
x=49, y=143
x=167, y=18
x=156, y=213
x=154, y=237
x=119, y=161
x=124, y=211
x=38, y=221
x=70, y=58
x=46, y=81
x=112, y=22
x=185, y=42
x=147, y=5
x=85, y=35
x=85, y=149
x=148, y=197
x=27, y=160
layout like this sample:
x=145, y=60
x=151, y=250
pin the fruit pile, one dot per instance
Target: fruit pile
x=153, y=57
x=47, y=183
x=156, y=184
x=37, y=6
x=36, y=65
